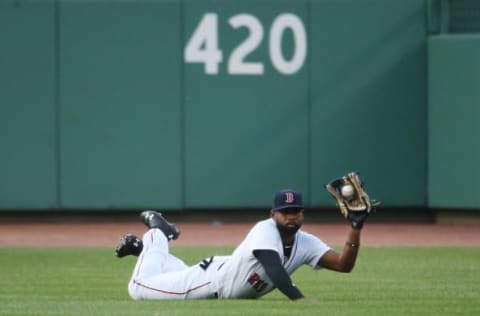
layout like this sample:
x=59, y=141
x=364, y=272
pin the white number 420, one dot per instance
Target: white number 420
x=203, y=45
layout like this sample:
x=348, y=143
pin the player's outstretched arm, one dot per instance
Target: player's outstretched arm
x=355, y=205
x=345, y=261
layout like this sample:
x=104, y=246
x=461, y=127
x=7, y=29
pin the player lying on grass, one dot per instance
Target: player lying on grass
x=272, y=250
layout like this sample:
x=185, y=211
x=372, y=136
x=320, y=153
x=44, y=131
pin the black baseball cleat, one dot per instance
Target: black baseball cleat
x=129, y=244
x=155, y=219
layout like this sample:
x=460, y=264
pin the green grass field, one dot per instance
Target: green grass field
x=386, y=281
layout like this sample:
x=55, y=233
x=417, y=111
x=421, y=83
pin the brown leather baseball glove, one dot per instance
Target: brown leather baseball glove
x=353, y=202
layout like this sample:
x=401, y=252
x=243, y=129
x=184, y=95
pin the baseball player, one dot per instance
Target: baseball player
x=272, y=250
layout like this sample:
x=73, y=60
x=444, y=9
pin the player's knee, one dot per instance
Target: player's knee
x=132, y=291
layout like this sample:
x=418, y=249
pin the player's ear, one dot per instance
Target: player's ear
x=272, y=213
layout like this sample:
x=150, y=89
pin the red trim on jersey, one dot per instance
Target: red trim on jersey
x=168, y=292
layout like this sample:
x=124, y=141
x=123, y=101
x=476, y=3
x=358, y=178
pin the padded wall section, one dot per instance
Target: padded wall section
x=28, y=173
x=120, y=104
x=368, y=95
x=453, y=129
x=246, y=133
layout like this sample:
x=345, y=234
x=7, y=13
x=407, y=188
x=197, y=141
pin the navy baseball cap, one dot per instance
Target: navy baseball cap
x=287, y=199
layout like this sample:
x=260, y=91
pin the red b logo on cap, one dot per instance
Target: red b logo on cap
x=289, y=197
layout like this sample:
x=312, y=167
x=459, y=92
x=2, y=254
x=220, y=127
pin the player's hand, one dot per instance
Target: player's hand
x=357, y=218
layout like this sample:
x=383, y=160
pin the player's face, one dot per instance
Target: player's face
x=288, y=221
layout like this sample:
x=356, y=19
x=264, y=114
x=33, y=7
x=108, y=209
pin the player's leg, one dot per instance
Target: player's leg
x=155, y=257
x=158, y=246
x=160, y=275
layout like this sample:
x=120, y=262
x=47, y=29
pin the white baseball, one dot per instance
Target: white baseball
x=347, y=191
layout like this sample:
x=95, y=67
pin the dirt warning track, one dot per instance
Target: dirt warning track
x=14, y=233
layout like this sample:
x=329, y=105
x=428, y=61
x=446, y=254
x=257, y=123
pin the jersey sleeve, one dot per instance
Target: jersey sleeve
x=315, y=249
x=264, y=236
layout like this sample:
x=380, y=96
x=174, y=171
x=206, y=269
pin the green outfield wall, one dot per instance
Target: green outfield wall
x=217, y=104
x=453, y=125
x=28, y=106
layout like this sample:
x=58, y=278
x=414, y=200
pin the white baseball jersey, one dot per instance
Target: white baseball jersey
x=242, y=275
x=160, y=275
